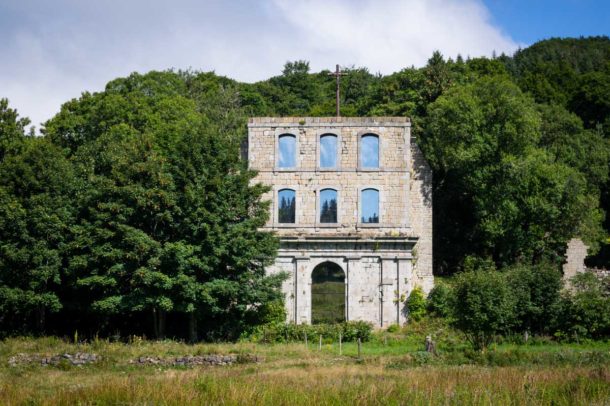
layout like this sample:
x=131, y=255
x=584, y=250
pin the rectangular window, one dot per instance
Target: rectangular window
x=286, y=206
x=287, y=150
x=369, y=151
x=370, y=206
x=328, y=206
x=328, y=151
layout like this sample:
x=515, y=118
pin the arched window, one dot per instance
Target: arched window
x=327, y=294
x=287, y=150
x=328, y=206
x=370, y=206
x=286, y=206
x=328, y=151
x=369, y=151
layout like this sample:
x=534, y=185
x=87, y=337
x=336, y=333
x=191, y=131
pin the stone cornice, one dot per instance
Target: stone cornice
x=302, y=122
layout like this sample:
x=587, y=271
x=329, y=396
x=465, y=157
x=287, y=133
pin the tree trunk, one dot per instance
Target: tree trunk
x=162, y=314
x=193, y=327
x=40, y=318
x=159, y=323
x=155, y=322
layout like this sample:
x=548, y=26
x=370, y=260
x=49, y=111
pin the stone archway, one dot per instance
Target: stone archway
x=327, y=293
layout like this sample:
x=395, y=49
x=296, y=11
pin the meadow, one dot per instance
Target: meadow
x=392, y=369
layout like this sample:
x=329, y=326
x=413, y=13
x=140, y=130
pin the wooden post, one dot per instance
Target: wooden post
x=359, y=349
x=320, y=346
x=306, y=346
x=340, y=345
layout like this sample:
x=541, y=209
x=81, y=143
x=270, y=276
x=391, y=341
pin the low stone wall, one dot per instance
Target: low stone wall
x=601, y=273
x=78, y=359
x=83, y=358
x=196, y=360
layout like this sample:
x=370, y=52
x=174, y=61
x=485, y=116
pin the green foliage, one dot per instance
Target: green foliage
x=168, y=220
x=135, y=207
x=440, y=300
x=36, y=184
x=393, y=328
x=586, y=308
x=536, y=290
x=484, y=306
x=495, y=184
x=416, y=304
x=288, y=332
x=273, y=312
x=12, y=130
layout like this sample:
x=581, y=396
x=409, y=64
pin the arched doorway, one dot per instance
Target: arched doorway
x=327, y=293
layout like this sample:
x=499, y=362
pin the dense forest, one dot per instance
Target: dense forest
x=133, y=214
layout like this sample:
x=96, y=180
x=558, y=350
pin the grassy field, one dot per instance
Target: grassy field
x=392, y=370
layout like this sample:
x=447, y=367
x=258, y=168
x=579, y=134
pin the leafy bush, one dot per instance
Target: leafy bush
x=273, y=312
x=440, y=300
x=289, y=332
x=585, y=311
x=393, y=328
x=416, y=304
x=537, y=293
x=484, y=306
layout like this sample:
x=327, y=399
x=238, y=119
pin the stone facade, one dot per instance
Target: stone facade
x=382, y=262
x=576, y=252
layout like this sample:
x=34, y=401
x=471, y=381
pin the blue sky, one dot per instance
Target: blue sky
x=530, y=21
x=51, y=51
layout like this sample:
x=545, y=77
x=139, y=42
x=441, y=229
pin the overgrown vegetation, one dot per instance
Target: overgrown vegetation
x=486, y=304
x=538, y=373
x=133, y=214
x=282, y=332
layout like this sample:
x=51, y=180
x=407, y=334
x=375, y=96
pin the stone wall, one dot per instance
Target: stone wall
x=382, y=262
x=392, y=178
x=576, y=252
x=421, y=218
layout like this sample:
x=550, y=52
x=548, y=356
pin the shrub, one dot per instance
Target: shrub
x=416, y=304
x=393, y=328
x=484, y=306
x=273, y=312
x=585, y=311
x=537, y=293
x=440, y=300
x=289, y=332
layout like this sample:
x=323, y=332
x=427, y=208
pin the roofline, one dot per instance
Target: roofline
x=329, y=122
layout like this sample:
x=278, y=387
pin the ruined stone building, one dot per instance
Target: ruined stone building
x=351, y=204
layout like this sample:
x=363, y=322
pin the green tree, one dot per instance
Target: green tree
x=484, y=306
x=591, y=99
x=416, y=304
x=440, y=300
x=35, y=214
x=537, y=291
x=497, y=193
x=12, y=129
x=169, y=223
x=126, y=215
x=586, y=307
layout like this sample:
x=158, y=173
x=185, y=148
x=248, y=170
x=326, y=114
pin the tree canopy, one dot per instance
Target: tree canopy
x=134, y=212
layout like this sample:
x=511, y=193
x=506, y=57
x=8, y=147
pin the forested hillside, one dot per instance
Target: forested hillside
x=134, y=201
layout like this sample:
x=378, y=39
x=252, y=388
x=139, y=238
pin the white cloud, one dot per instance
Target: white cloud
x=387, y=35
x=59, y=49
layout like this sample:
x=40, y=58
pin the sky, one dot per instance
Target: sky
x=52, y=51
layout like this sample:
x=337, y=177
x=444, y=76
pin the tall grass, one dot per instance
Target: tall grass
x=294, y=375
